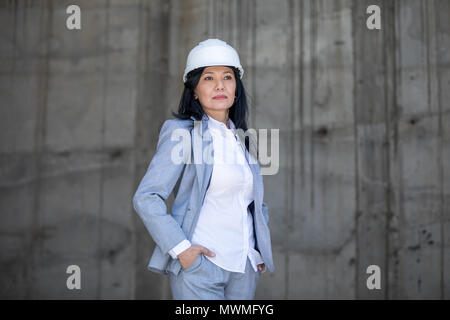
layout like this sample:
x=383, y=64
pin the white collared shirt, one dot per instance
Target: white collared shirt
x=225, y=226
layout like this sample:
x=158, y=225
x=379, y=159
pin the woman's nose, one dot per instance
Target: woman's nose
x=219, y=84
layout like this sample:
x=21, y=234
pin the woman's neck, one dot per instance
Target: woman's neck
x=220, y=117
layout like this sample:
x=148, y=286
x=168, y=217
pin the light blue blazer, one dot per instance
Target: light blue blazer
x=189, y=182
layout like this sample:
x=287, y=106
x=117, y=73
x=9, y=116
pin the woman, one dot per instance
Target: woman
x=216, y=241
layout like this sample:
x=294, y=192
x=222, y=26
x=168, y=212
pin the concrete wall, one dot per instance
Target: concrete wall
x=364, y=125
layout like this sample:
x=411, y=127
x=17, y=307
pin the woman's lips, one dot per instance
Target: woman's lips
x=221, y=97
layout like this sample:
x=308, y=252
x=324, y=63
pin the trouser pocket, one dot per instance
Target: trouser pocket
x=196, y=264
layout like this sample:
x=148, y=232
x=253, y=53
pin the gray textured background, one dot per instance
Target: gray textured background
x=364, y=119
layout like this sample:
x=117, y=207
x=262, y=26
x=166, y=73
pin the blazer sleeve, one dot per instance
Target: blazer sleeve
x=154, y=189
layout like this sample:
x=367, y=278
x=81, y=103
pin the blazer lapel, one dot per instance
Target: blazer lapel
x=203, y=153
x=257, y=183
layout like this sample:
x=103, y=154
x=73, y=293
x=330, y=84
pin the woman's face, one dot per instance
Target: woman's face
x=216, y=89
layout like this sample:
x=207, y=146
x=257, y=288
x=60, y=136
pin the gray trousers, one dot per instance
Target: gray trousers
x=203, y=280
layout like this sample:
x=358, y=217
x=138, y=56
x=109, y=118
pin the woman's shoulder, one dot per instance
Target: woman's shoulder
x=175, y=123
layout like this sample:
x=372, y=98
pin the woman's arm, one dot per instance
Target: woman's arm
x=156, y=186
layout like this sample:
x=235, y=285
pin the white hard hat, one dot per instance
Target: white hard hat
x=212, y=52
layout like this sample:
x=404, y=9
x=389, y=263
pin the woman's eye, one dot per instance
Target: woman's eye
x=226, y=77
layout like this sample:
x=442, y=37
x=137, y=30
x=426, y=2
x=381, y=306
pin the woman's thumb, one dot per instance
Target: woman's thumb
x=207, y=252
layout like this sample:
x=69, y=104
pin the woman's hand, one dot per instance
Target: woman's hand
x=188, y=256
x=261, y=267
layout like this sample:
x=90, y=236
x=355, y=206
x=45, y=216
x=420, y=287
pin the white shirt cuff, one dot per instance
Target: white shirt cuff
x=255, y=256
x=179, y=248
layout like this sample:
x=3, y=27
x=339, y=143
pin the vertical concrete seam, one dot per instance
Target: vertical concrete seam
x=355, y=133
x=239, y=24
x=313, y=37
x=215, y=22
x=102, y=148
x=396, y=96
x=290, y=79
x=207, y=19
x=427, y=41
x=300, y=98
x=220, y=14
x=142, y=11
x=387, y=154
x=253, y=29
x=440, y=153
x=35, y=246
x=289, y=136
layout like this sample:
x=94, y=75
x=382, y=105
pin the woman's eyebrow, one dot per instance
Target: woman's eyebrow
x=215, y=72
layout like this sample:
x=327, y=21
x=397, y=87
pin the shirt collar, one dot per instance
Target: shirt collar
x=216, y=124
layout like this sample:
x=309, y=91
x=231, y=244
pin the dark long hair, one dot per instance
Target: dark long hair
x=190, y=107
